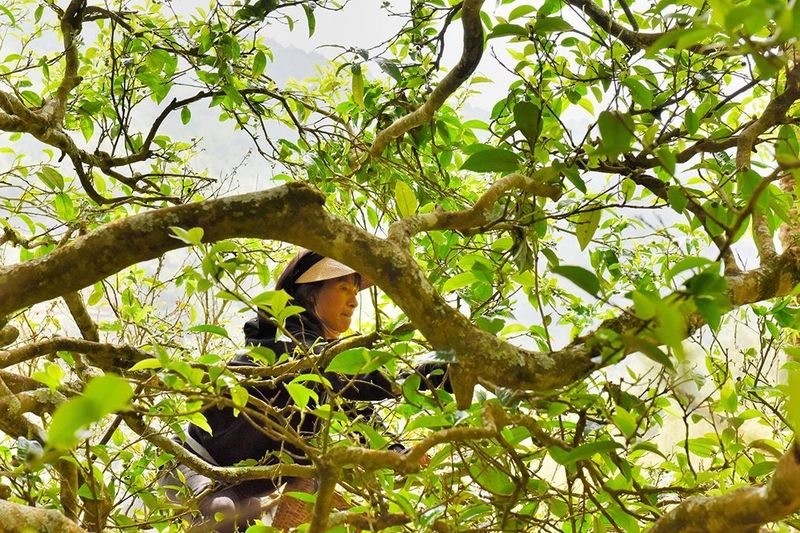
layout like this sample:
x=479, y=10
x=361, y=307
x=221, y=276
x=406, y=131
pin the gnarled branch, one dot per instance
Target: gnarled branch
x=294, y=213
x=541, y=183
x=18, y=517
x=470, y=57
x=742, y=510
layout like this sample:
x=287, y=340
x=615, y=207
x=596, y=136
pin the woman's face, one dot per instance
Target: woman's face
x=335, y=304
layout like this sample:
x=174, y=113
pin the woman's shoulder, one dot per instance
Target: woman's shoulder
x=262, y=331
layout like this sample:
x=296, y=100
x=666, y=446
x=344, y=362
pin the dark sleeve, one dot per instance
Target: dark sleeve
x=371, y=387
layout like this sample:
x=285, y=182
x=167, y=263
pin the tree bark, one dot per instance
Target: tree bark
x=743, y=510
x=17, y=517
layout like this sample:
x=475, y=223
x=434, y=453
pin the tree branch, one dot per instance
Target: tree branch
x=17, y=517
x=742, y=510
x=774, y=113
x=17, y=383
x=327, y=476
x=470, y=57
x=635, y=39
x=8, y=334
x=789, y=232
x=294, y=213
x=81, y=316
x=543, y=182
x=106, y=355
x=70, y=28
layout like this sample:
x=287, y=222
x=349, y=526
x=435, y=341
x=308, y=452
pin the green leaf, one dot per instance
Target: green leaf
x=649, y=447
x=310, y=18
x=96, y=295
x=545, y=25
x=429, y=422
x=687, y=263
x=391, y=68
x=193, y=236
x=671, y=325
x=406, y=199
x=239, y=395
x=87, y=127
x=691, y=121
x=648, y=349
x=581, y=277
x=357, y=84
x=728, y=398
x=146, y=364
x=492, y=479
x=102, y=396
x=667, y=159
x=506, y=30
x=624, y=421
x=186, y=115
x=300, y=394
x=200, y=421
x=63, y=206
x=9, y=14
x=616, y=130
x=677, y=198
x=51, y=178
x=210, y=328
x=349, y=361
x=586, y=223
x=459, y=281
x=585, y=451
x=645, y=305
x=640, y=94
x=793, y=397
x=492, y=160
x=762, y=469
x=272, y=301
x=51, y=376
x=259, y=64
x=32, y=98
x=528, y=118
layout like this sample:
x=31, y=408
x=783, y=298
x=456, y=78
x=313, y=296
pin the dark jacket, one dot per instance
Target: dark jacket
x=235, y=438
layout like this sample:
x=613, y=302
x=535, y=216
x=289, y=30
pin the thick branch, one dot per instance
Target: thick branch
x=774, y=113
x=17, y=517
x=633, y=39
x=8, y=334
x=105, y=355
x=543, y=182
x=638, y=40
x=294, y=213
x=13, y=424
x=742, y=510
x=17, y=383
x=70, y=29
x=327, y=478
x=790, y=232
x=470, y=57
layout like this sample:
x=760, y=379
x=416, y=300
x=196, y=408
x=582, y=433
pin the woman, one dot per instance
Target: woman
x=327, y=290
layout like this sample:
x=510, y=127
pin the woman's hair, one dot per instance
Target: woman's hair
x=304, y=294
